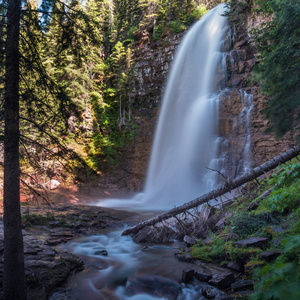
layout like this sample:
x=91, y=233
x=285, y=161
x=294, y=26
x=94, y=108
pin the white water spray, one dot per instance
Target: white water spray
x=185, y=143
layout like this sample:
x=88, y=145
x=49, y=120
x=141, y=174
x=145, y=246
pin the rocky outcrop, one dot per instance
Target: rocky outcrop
x=136, y=157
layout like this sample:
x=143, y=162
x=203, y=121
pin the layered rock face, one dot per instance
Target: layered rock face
x=243, y=143
x=242, y=125
x=151, y=66
x=135, y=159
x=152, y=63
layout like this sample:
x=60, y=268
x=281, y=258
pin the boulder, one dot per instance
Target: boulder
x=253, y=242
x=270, y=255
x=52, y=184
x=206, y=212
x=208, y=241
x=189, y=240
x=187, y=276
x=203, y=277
x=222, y=281
x=242, y=285
x=210, y=292
x=151, y=234
x=235, y=266
x=101, y=252
x=156, y=286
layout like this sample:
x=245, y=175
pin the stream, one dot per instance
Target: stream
x=118, y=268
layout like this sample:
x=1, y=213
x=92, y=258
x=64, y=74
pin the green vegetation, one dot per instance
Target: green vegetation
x=285, y=195
x=277, y=218
x=279, y=70
x=37, y=219
x=280, y=279
x=246, y=224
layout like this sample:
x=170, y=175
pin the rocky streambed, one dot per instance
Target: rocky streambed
x=64, y=240
x=48, y=266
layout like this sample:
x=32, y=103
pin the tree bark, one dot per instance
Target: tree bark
x=227, y=187
x=14, y=286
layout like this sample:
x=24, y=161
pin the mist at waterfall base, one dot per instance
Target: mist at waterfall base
x=185, y=143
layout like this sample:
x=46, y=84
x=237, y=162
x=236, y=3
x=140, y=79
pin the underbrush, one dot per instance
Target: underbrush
x=277, y=217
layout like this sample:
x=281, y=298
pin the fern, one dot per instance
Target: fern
x=280, y=280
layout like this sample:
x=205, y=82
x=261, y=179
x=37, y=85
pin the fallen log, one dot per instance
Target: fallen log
x=227, y=187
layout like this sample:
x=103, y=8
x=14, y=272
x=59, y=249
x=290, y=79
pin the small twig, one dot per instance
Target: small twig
x=192, y=215
x=257, y=181
x=45, y=198
x=245, y=190
x=180, y=222
x=219, y=172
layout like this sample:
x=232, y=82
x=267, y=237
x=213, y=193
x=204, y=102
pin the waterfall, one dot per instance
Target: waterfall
x=186, y=140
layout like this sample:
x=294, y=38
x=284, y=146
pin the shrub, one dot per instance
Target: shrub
x=177, y=27
x=246, y=224
x=199, y=11
x=158, y=32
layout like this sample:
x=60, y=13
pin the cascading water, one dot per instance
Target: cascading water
x=185, y=144
x=244, y=119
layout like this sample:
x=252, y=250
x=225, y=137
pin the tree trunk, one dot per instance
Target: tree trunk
x=14, y=286
x=227, y=187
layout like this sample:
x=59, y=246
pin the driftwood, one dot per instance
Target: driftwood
x=227, y=187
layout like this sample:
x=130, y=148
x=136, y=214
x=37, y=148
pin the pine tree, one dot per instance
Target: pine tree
x=121, y=63
x=279, y=70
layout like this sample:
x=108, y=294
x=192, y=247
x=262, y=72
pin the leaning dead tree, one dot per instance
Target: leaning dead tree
x=227, y=187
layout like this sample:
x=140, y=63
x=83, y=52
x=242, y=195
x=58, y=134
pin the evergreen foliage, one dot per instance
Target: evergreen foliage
x=279, y=70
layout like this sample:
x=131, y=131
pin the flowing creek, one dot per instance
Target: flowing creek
x=116, y=266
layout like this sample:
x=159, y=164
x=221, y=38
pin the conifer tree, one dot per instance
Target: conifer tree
x=121, y=62
x=279, y=69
